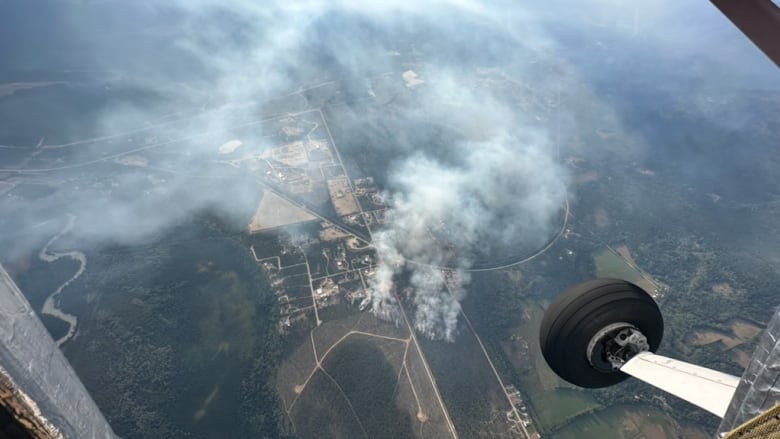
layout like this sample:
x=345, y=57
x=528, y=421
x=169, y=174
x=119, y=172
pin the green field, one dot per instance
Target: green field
x=322, y=411
x=610, y=264
x=474, y=398
x=622, y=422
x=556, y=407
x=554, y=400
x=567, y=412
x=369, y=382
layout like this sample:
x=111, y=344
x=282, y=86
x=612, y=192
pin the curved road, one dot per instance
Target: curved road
x=511, y=264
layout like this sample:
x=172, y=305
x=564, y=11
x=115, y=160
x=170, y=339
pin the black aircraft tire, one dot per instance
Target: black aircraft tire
x=572, y=320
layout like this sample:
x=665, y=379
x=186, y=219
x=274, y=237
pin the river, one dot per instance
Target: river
x=52, y=305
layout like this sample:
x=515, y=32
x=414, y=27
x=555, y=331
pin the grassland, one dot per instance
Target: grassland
x=323, y=411
x=375, y=370
x=610, y=263
x=556, y=407
x=474, y=398
x=369, y=382
x=565, y=411
x=554, y=400
x=639, y=422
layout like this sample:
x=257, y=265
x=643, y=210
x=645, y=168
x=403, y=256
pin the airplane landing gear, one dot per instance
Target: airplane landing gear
x=595, y=327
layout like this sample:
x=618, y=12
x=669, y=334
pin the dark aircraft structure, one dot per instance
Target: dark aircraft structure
x=603, y=331
x=759, y=20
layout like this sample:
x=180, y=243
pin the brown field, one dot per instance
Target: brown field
x=292, y=154
x=626, y=253
x=332, y=233
x=319, y=151
x=742, y=357
x=341, y=196
x=274, y=211
x=706, y=337
x=741, y=331
x=723, y=288
x=744, y=330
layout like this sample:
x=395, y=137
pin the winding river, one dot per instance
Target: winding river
x=52, y=305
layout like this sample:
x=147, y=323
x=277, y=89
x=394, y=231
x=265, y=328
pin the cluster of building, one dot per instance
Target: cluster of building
x=519, y=413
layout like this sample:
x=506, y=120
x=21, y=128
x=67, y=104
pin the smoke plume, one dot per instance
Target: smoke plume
x=507, y=190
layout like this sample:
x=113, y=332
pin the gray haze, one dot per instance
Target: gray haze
x=505, y=184
x=505, y=189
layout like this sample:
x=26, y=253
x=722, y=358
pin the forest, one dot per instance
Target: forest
x=177, y=335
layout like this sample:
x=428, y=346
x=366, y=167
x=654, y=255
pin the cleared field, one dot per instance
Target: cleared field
x=723, y=289
x=626, y=254
x=706, y=337
x=341, y=196
x=611, y=264
x=744, y=330
x=431, y=414
x=333, y=233
x=274, y=211
x=375, y=326
x=474, y=397
x=407, y=403
x=292, y=154
x=556, y=407
x=331, y=331
x=527, y=358
x=741, y=331
x=634, y=422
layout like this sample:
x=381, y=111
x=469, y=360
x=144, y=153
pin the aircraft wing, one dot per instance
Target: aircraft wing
x=706, y=388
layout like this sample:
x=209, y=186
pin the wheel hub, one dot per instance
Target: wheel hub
x=612, y=346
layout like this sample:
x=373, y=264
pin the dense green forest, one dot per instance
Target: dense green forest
x=177, y=335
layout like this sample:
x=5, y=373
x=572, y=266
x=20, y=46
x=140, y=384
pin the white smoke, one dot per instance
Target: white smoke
x=508, y=189
x=234, y=59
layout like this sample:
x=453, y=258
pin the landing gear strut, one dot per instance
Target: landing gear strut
x=595, y=327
